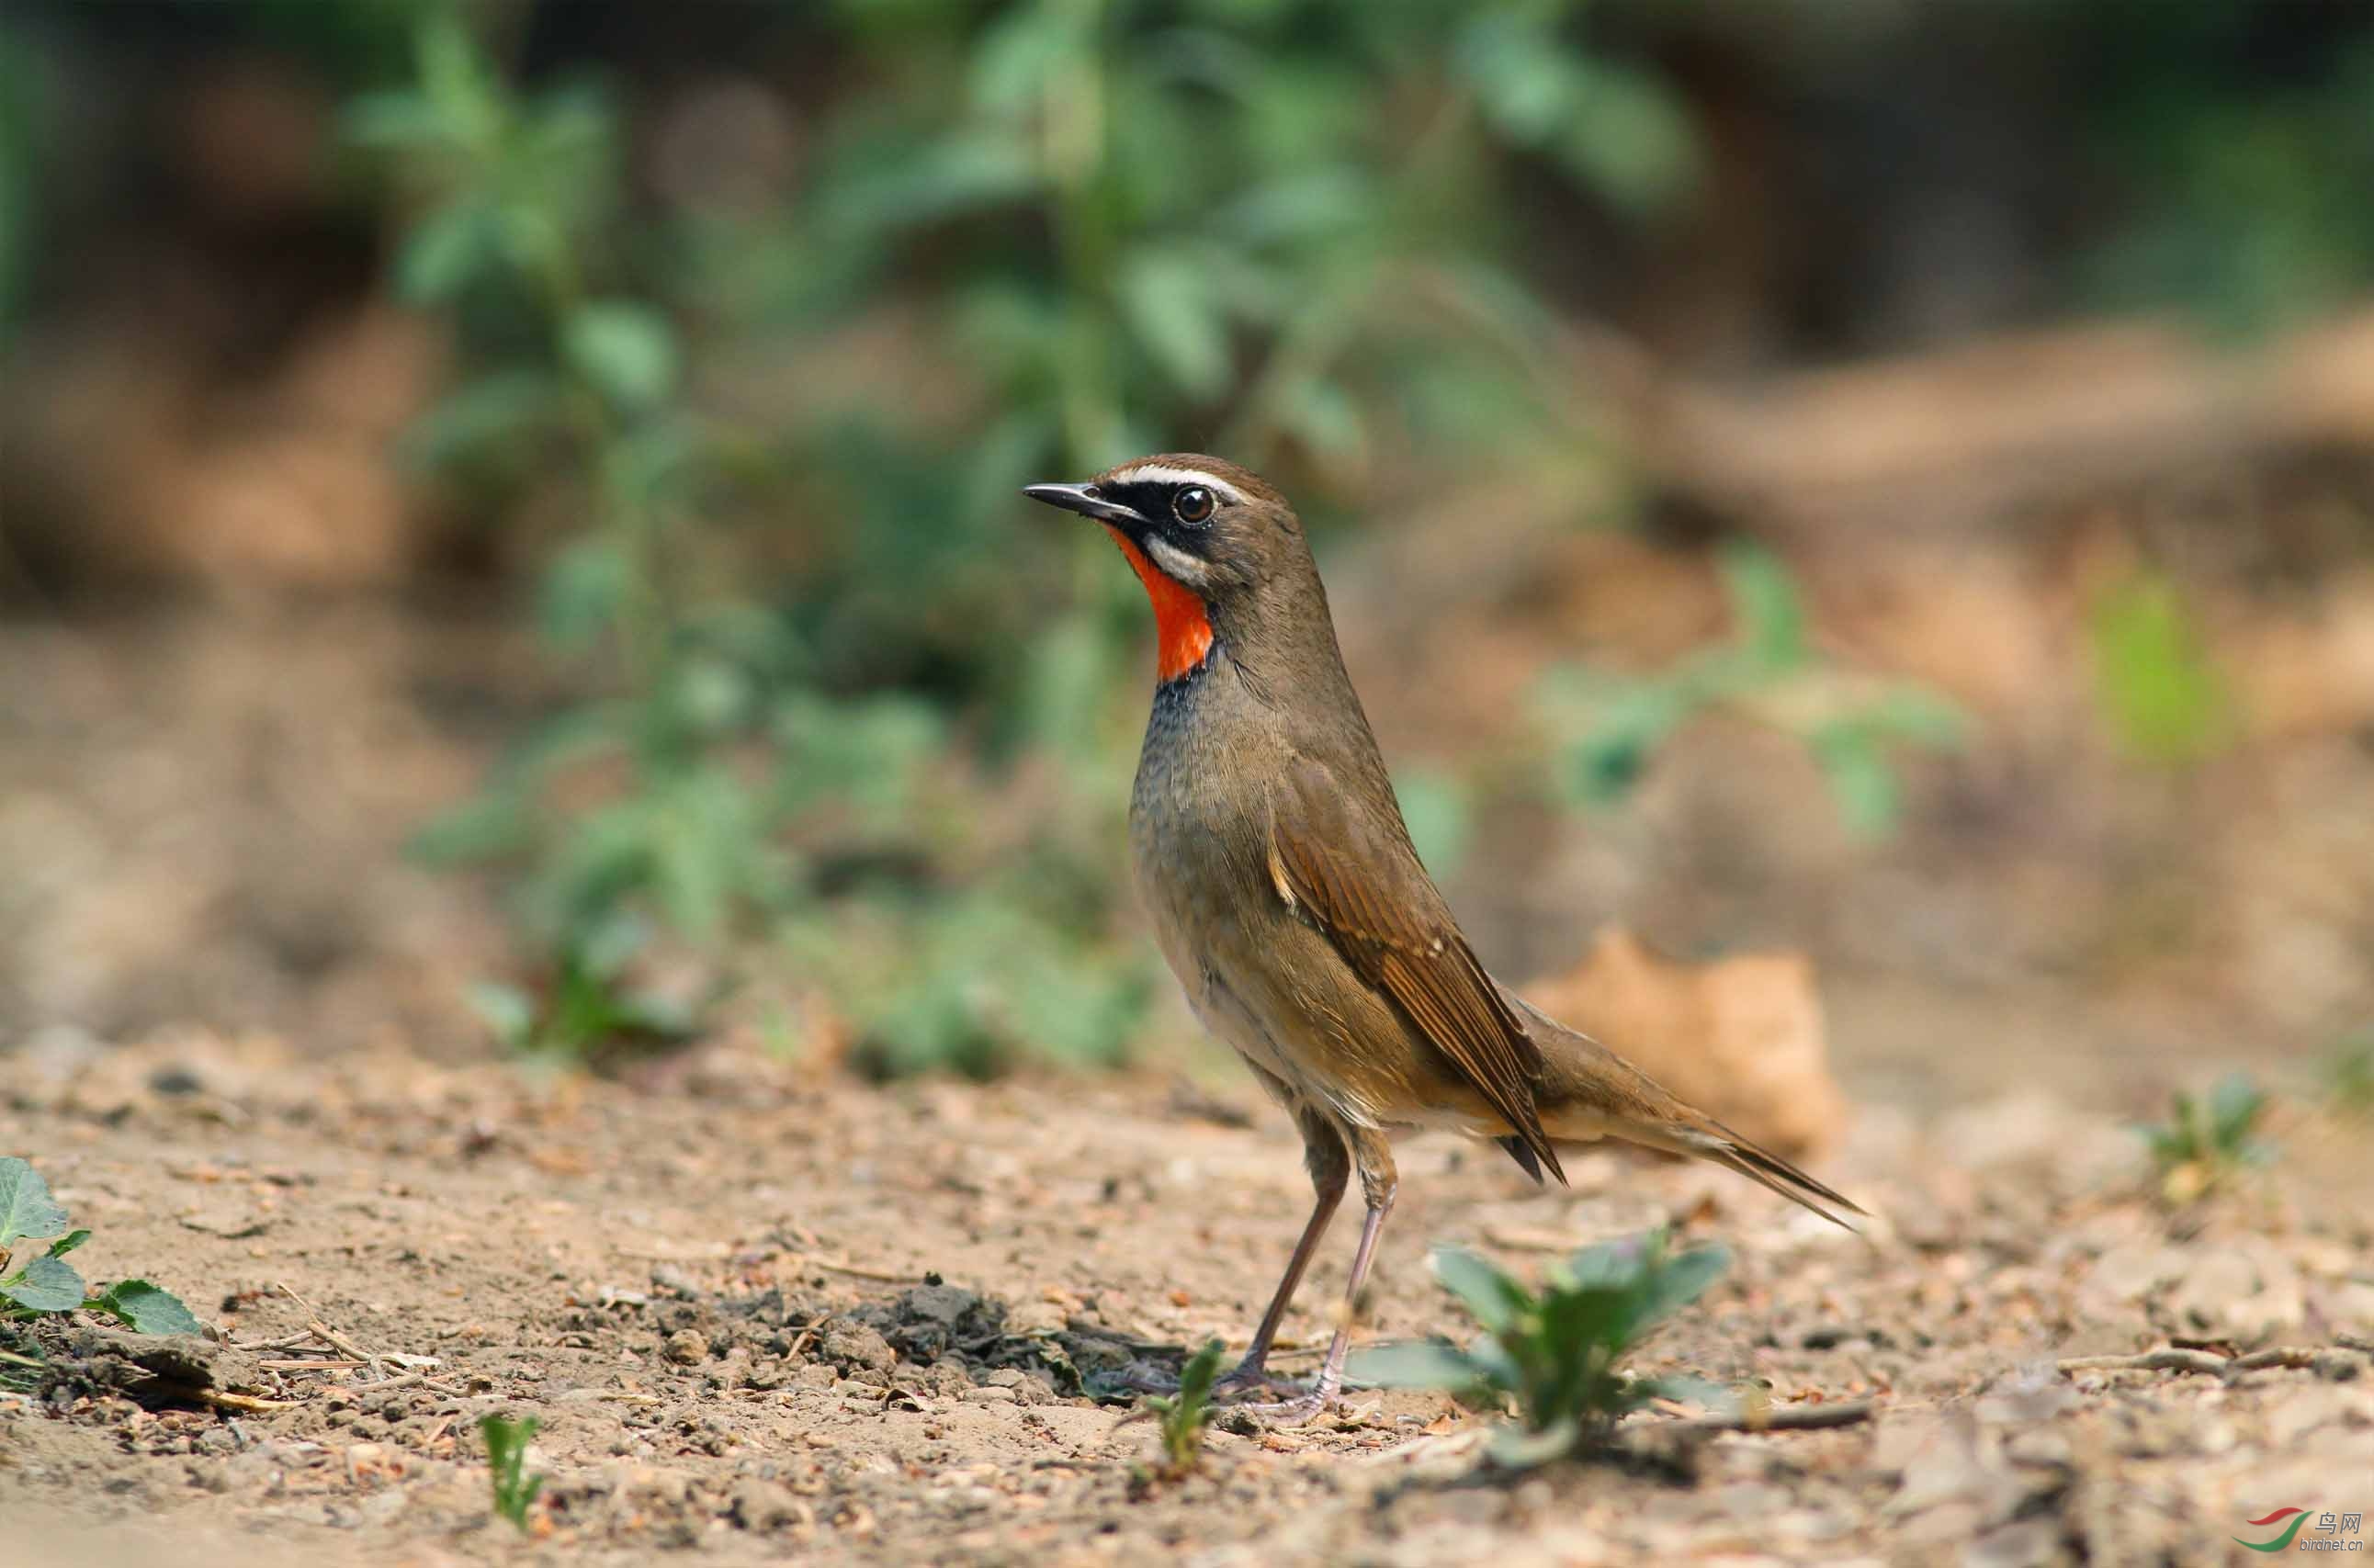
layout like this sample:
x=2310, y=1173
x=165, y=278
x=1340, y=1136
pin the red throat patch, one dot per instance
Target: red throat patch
x=1182, y=632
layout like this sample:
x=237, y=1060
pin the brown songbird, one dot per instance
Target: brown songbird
x=1283, y=890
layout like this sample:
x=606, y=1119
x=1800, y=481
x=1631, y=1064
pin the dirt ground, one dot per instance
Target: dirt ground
x=765, y=1313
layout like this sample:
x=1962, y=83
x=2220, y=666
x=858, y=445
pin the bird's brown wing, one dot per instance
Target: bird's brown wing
x=1357, y=878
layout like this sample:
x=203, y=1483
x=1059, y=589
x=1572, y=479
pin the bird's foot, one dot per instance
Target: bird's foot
x=1299, y=1410
x=1249, y=1377
x=1291, y=1403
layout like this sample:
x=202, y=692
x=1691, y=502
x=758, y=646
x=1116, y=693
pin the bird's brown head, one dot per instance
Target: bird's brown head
x=1220, y=552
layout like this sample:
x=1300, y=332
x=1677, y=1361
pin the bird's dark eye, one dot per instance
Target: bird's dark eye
x=1192, y=503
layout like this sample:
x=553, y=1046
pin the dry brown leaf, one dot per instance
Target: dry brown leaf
x=1739, y=1038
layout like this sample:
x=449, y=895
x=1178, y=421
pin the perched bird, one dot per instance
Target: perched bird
x=1285, y=892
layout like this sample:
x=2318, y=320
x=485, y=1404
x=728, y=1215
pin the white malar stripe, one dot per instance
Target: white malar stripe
x=1165, y=473
x=1181, y=565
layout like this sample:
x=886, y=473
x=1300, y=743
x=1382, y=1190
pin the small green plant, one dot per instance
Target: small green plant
x=2158, y=687
x=515, y=1490
x=1611, y=725
x=1184, y=1414
x=590, y=1006
x=45, y=1282
x=1557, y=1353
x=2206, y=1143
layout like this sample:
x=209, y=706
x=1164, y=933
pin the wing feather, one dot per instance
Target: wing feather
x=1359, y=880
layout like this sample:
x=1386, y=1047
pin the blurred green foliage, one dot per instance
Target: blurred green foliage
x=2245, y=203
x=1134, y=223
x=2163, y=696
x=2349, y=1074
x=1609, y=726
x=842, y=705
x=24, y=110
x=2208, y=1143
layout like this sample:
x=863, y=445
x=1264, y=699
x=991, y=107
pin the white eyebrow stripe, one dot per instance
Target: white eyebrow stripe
x=1183, y=566
x=1165, y=473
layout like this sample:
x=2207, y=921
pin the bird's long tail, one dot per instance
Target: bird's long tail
x=1588, y=1091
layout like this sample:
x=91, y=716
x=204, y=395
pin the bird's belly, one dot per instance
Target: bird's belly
x=1272, y=990
x=1221, y=1006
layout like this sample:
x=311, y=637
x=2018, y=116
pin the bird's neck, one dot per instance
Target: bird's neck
x=1182, y=625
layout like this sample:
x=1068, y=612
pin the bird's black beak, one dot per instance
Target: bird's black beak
x=1084, y=500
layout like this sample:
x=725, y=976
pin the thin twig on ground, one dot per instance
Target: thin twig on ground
x=2166, y=1359
x=859, y=1271
x=1788, y=1418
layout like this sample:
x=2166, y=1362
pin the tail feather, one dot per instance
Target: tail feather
x=1588, y=1091
x=1760, y=1165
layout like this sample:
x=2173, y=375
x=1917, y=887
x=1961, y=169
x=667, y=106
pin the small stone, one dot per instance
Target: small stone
x=2340, y=1366
x=2016, y=1545
x=2247, y=1288
x=1035, y=1317
x=2125, y=1273
x=990, y=1396
x=2041, y=1446
x=847, y=1345
x=2310, y=1408
x=688, y=1347
x=767, y=1505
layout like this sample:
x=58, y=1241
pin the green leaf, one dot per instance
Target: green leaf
x=1523, y=83
x=2162, y=692
x=506, y=1009
x=1611, y=1265
x=626, y=351
x=1714, y=1397
x=928, y=184
x=582, y=592
x=1420, y=1364
x=147, y=1309
x=507, y=1443
x=1018, y=53
x=447, y=251
x=1869, y=797
x=1515, y=1448
x=456, y=78
x=496, y=410
x=26, y=1207
x=1763, y=595
x=1320, y=415
x=1628, y=138
x=1168, y=302
x=396, y=119
x=67, y=1243
x=45, y=1284
x=2235, y=1105
x=1679, y=1281
x=1494, y=1298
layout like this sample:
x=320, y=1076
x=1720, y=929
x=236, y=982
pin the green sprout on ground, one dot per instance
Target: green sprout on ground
x=515, y=1490
x=1184, y=1414
x=44, y=1284
x=2206, y=1143
x=1557, y=1353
